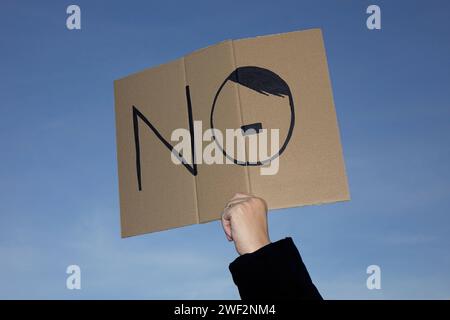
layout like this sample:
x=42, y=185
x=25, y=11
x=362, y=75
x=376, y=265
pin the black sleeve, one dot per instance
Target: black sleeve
x=275, y=271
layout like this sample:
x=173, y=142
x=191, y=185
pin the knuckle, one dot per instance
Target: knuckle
x=261, y=201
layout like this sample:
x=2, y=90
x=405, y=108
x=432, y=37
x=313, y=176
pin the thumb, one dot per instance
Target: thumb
x=226, y=225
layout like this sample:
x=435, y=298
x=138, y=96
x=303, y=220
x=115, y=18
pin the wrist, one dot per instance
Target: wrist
x=255, y=246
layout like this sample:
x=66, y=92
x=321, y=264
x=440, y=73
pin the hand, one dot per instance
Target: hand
x=244, y=221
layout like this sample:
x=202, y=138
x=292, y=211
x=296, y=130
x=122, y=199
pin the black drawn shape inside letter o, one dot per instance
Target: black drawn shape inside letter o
x=265, y=82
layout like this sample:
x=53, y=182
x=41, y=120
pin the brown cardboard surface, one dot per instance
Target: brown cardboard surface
x=311, y=165
x=168, y=193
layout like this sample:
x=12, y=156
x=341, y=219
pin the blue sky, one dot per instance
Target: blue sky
x=58, y=173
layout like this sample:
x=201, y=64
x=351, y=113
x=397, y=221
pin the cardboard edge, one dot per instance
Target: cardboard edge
x=215, y=44
x=124, y=235
x=272, y=209
x=339, y=133
x=163, y=64
x=277, y=209
x=317, y=29
x=116, y=137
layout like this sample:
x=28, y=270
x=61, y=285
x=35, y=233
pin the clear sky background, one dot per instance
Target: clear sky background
x=58, y=172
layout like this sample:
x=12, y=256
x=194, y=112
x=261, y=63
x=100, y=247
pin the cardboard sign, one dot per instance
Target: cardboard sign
x=277, y=81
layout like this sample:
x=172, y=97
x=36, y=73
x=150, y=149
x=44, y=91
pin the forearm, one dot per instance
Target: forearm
x=274, y=271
